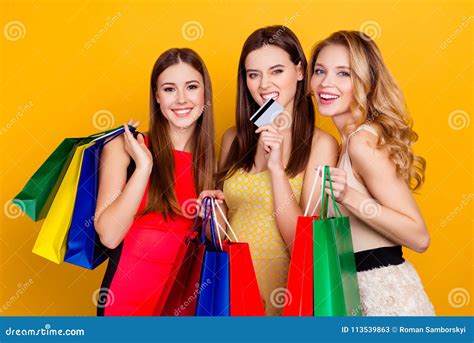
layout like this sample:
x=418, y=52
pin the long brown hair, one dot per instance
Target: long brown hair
x=378, y=100
x=244, y=147
x=161, y=194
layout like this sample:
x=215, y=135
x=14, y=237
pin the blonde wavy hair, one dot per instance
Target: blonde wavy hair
x=378, y=101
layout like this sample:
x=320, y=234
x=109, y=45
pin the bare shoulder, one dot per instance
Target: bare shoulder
x=366, y=156
x=324, y=139
x=324, y=149
x=229, y=136
x=226, y=142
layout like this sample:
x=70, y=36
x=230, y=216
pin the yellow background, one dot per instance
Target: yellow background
x=74, y=59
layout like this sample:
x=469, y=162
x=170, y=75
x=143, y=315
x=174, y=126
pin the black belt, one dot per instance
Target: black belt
x=380, y=257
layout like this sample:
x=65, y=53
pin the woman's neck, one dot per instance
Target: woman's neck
x=181, y=138
x=341, y=121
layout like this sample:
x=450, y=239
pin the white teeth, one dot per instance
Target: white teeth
x=182, y=111
x=270, y=95
x=328, y=96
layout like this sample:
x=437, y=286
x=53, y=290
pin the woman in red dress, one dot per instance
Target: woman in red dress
x=148, y=185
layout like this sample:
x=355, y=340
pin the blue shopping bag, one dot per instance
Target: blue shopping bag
x=214, y=286
x=84, y=248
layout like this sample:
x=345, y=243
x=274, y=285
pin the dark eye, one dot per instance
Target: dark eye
x=344, y=73
x=193, y=86
x=252, y=75
x=318, y=71
x=277, y=71
x=168, y=89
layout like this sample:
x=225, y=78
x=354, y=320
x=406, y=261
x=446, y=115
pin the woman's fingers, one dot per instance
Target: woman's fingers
x=338, y=179
x=212, y=193
x=336, y=171
x=266, y=128
x=140, y=139
x=271, y=134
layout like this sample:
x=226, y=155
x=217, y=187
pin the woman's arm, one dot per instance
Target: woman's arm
x=218, y=194
x=287, y=208
x=324, y=152
x=392, y=211
x=118, y=200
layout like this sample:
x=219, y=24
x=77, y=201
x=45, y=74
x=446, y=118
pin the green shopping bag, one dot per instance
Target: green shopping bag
x=36, y=197
x=336, y=291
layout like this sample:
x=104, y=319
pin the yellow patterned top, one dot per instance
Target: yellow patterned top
x=252, y=215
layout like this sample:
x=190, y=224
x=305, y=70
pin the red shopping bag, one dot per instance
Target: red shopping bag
x=245, y=298
x=300, y=275
x=300, y=284
x=181, y=291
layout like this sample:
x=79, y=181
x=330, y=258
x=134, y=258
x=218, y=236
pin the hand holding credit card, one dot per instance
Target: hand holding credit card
x=266, y=113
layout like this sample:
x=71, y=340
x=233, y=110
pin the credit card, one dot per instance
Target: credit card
x=266, y=113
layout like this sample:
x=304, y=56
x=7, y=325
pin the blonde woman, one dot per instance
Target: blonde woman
x=376, y=172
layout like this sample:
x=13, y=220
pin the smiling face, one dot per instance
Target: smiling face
x=331, y=81
x=180, y=94
x=271, y=74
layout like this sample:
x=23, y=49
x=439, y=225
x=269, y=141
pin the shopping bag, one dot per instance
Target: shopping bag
x=37, y=195
x=214, y=291
x=245, y=298
x=300, y=275
x=179, y=297
x=84, y=248
x=336, y=291
x=51, y=242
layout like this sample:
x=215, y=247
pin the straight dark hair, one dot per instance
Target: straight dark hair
x=244, y=147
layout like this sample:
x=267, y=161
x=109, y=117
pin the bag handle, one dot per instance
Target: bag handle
x=197, y=221
x=216, y=204
x=114, y=133
x=208, y=220
x=325, y=197
x=313, y=188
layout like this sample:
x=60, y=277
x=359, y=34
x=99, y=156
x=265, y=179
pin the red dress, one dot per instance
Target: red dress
x=139, y=267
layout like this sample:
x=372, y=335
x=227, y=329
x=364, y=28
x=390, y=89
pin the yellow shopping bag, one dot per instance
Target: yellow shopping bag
x=52, y=239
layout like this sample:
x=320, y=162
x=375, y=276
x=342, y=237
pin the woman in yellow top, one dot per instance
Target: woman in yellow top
x=266, y=172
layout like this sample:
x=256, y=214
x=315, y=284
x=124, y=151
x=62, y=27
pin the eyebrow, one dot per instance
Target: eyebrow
x=338, y=67
x=173, y=84
x=272, y=67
